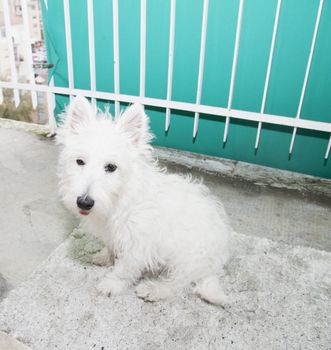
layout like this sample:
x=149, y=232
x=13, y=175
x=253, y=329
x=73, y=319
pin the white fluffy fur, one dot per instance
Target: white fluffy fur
x=149, y=220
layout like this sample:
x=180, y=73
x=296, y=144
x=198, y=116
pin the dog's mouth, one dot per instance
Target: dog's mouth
x=84, y=212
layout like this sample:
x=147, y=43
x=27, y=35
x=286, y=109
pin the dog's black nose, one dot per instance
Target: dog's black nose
x=85, y=202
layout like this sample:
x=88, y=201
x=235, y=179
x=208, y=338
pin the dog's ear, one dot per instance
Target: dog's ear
x=135, y=122
x=79, y=113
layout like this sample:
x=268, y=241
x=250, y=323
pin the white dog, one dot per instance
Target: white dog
x=149, y=220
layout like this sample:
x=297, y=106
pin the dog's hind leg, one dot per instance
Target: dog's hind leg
x=210, y=290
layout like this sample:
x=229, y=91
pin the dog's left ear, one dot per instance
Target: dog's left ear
x=79, y=113
x=135, y=122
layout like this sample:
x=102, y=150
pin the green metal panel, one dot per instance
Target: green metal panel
x=129, y=45
x=296, y=26
x=157, y=47
x=317, y=104
x=221, y=32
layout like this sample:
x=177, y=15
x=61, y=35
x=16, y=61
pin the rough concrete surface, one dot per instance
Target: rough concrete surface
x=281, y=287
x=280, y=300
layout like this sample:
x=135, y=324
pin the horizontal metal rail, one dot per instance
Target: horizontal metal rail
x=176, y=105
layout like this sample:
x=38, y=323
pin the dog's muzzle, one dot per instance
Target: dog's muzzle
x=85, y=202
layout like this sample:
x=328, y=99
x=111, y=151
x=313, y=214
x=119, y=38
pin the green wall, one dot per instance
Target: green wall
x=295, y=31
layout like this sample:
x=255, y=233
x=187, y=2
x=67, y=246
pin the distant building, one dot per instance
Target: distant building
x=23, y=44
x=34, y=18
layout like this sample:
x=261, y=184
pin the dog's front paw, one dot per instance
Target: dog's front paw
x=103, y=258
x=110, y=285
x=151, y=292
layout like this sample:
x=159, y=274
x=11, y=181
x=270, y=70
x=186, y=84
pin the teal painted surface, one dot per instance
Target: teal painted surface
x=317, y=103
x=253, y=55
x=296, y=26
x=221, y=32
x=129, y=45
x=157, y=48
x=187, y=40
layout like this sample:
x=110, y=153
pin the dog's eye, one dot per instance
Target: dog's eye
x=110, y=168
x=80, y=162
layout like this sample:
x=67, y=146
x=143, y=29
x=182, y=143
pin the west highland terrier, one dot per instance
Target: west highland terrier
x=150, y=221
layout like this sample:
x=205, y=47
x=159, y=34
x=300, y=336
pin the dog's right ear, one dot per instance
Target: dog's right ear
x=134, y=121
x=79, y=114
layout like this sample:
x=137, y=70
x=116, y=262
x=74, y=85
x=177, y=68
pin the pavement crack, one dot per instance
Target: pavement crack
x=27, y=212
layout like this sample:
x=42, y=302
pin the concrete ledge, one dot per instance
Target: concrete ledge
x=257, y=174
x=14, y=124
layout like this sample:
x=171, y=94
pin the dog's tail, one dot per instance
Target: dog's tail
x=209, y=289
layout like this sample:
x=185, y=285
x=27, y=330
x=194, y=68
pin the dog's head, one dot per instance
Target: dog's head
x=100, y=156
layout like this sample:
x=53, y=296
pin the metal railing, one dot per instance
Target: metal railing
x=168, y=104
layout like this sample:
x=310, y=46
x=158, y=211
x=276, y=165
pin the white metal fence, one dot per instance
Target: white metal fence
x=168, y=104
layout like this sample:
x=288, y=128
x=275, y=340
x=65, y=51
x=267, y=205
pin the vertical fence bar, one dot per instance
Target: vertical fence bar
x=234, y=67
x=67, y=23
x=9, y=36
x=142, y=46
x=28, y=50
x=90, y=20
x=50, y=107
x=50, y=98
x=303, y=91
x=328, y=149
x=116, y=56
x=266, y=84
x=170, y=59
x=201, y=63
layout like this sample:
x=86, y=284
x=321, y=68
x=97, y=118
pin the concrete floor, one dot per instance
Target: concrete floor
x=34, y=223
